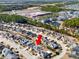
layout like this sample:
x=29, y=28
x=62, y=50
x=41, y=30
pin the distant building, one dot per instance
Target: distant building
x=37, y=14
x=33, y=12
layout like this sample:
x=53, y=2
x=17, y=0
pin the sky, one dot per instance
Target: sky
x=32, y=0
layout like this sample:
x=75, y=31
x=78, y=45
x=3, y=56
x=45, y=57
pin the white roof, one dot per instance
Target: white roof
x=48, y=51
x=38, y=13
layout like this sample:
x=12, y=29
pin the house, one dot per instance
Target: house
x=46, y=54
x=29, y=33
x=56, y=24
x=62, y=18
x=75, y=52
x=37, y=48
x=1, y=47
x=49, y=20
x=11, y=56
x=53, y=45
x=18, y=30
x=8, y=54
x=46, y=40
x=77, y=31
x=6, y=51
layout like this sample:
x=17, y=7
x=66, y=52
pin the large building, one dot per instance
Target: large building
x=33, y=12
x=37, y=14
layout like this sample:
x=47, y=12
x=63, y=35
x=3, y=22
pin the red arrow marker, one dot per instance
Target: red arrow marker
x=38, y=41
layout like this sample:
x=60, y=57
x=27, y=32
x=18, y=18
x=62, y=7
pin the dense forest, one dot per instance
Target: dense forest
x=51, y=8
x=72, y=22
x=12, y=18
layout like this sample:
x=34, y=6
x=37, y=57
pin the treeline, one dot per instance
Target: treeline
x=54, y=28
x=72, y=22
x=51, y=8
x=13, y=7
x=21, y=19
x=46, y=26
x=55, y=8
x=12, y=18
